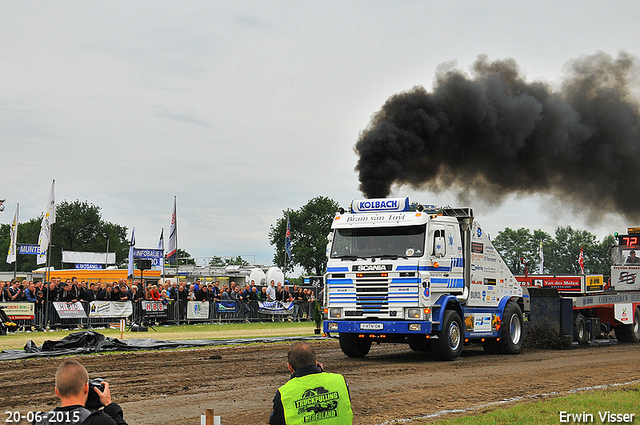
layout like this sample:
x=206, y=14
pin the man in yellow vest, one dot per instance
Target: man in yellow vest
x=311, y=395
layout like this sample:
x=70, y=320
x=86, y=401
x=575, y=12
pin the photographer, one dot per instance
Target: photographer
x=72, y=386
x=311, y=395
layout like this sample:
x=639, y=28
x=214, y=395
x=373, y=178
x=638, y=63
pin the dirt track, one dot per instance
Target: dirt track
x=392, y=382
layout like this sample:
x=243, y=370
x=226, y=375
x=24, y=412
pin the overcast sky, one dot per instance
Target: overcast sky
x=243, y=109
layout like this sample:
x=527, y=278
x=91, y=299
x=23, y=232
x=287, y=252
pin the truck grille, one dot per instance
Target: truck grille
x=372, y=295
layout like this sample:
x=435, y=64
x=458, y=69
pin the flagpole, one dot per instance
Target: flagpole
x=15, y=248
x=284, y=272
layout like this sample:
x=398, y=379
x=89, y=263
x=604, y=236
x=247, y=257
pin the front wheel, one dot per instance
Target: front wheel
x=354, y=346
x=448, y=346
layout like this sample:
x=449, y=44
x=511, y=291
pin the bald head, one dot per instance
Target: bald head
x=301, y=354
x=71, y=378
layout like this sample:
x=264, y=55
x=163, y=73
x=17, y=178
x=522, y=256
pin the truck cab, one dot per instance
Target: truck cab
x=402, y=272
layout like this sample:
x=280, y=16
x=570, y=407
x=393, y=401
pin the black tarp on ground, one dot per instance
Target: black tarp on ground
x=93, y=342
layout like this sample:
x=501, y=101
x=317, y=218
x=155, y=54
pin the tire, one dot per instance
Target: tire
x=511, y=332
x=353, y=346
x=421, y=344
x=448, y=346
x=630, y=333
x=579, y=329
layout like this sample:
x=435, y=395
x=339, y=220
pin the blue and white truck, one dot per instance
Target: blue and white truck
x=403, y=273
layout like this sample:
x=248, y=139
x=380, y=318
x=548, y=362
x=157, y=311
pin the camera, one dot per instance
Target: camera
x=93, y=401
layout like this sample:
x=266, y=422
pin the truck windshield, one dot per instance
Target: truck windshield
x=404, y=241
x=625, y=255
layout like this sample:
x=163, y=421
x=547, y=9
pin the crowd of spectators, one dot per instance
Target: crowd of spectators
x=246, y=298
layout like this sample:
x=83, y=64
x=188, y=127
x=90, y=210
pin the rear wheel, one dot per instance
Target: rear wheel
x=579, y=329
x=630, y=333
x=353, y=346
x=511, y=335
x=448, y=346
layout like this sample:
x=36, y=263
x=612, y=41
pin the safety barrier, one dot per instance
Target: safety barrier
x=99, y=314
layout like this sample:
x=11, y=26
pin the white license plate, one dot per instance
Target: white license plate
x=371, y=326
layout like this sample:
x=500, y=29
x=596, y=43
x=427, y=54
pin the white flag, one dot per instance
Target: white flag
x=541, y=252
x=13, y=245
x=172, y=247
x=45, y=229
x=131, y=247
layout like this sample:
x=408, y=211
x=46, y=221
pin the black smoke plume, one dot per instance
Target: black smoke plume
x=491, y=134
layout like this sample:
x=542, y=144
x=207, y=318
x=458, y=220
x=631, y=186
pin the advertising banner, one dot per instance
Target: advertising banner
x=19, y=311
x=88, y=257
x=28, y=249
x=154, y=308
x=110, y=309
x=275, y=307
x=226, y=307
x=155, y=255
x=70, y=310
x=198, y=310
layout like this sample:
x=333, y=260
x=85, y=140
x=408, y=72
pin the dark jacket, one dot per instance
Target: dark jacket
x=110, y=415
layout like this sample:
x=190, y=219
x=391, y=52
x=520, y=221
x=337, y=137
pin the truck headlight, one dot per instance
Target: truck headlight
x=414, y=313
x=332, y=326
x=335, y=313
x=414, y=326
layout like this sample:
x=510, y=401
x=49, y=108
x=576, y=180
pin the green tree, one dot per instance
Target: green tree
x=28, y=233
x=79, y=227
x=310, y=226
x=217, y=262
x=560, y=252
x=514, y=245
x=184, y=258
x=236, y=261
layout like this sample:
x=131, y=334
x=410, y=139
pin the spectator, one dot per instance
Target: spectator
x=72, y=386
x=39, y=308
x=173, y=290
x=215, y=291
x=15, y=292
x=271, y=291
x=125, y=294
x=87, y=294
x=30, y=293
x=105, y=294
x=202, y=294
x=246, y=310
x=191, y=296
x=262, y=295
x=4, y=292
x=115, y=293
x=308, y=380
x=279, y=293
x=225, y=293
x=68, y=294
x=155, y=294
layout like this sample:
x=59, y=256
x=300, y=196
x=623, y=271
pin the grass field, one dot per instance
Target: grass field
x=593, y=406
x=171, y=333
